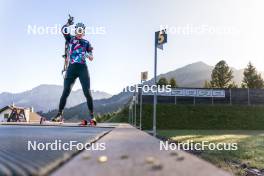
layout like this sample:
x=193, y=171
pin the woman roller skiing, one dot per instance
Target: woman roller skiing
x=77, y=50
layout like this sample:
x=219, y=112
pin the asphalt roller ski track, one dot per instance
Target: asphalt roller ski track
x=17, y=159
x=128, y=152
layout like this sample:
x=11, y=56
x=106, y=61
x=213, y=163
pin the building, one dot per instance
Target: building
x=14, y=113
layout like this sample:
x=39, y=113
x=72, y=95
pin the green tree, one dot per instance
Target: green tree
x=173, y=83
x=207, y=84
x=163, y=81
x=252, y=79
x=233, y=85
x=221, y=76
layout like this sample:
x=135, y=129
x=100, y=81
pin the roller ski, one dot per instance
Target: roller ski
x=91, y=123
x=85, y=123
x=57, y=120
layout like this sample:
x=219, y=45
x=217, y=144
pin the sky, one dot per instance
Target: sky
x=122, y=34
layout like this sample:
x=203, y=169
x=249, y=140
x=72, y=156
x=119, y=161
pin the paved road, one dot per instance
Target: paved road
x=16, y=159
x=131, y=152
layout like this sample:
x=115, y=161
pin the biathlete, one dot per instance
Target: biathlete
x=78, y=49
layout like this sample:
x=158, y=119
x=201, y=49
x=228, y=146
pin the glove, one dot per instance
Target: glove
x=70, y=20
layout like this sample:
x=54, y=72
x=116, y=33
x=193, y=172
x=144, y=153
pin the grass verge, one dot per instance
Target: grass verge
x=204, y=117
x=250, y=152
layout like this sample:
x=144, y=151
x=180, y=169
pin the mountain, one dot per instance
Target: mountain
x=195, y=74
x=192, y=75
x=101, y=106
x=46, y=97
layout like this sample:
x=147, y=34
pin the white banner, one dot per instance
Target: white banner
x=191, y=93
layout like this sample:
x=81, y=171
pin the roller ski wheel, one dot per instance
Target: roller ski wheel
x=91, y=123
x=58, y=118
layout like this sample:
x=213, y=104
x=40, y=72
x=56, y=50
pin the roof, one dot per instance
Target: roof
x=11, y=107
x=4, y=108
